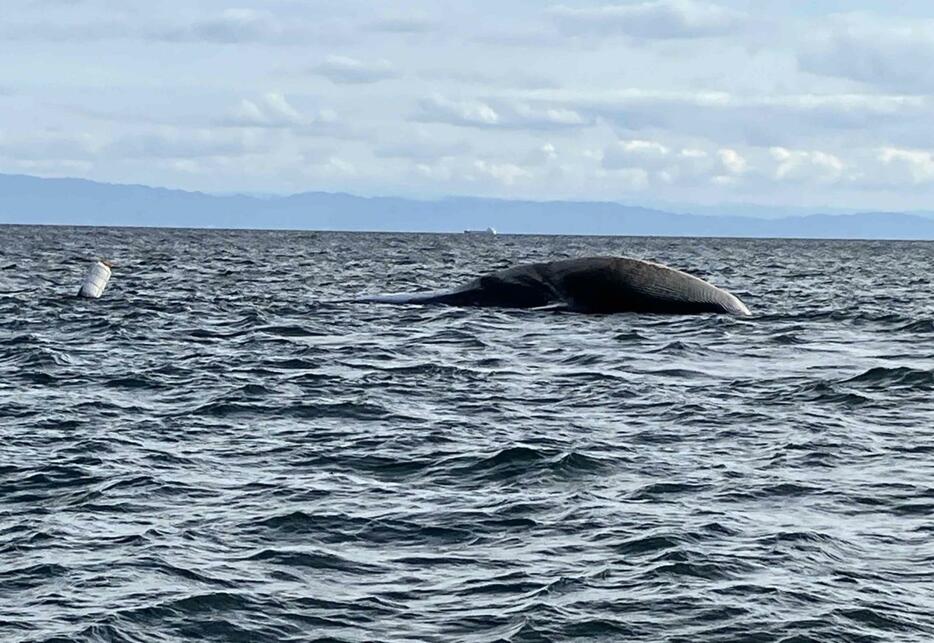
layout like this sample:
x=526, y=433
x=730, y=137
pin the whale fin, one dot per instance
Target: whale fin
x=552, y=307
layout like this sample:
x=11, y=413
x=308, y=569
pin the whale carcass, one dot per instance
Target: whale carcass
x=587, y=285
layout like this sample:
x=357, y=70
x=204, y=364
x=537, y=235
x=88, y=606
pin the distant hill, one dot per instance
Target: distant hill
x=32, y=200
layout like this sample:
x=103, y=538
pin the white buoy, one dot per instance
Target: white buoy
x=96, y=280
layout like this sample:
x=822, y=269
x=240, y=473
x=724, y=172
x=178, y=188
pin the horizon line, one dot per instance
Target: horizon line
x=462, y=234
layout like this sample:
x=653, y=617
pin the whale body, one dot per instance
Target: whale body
x=587, y=285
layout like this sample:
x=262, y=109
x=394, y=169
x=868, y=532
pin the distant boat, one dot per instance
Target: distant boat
x=487, y=231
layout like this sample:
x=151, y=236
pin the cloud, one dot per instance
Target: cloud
x=692, y=165
x=336, y=166
x=273, y=110
x=769, y=120
x=901, y=166
x=542, y=155
x=545, y=116
x=350, y=71
x=663, y=166
x=732, y=161
x=659, y=19
x=505, y=173
x=678, y=97
x=661, y=163
x=645, y=154
x=503, y=114
x=458, y=112
x=798, y=166
x=863, y=48
x=477, y=172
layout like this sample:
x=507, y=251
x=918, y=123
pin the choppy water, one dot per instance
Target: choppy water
x=211, y=453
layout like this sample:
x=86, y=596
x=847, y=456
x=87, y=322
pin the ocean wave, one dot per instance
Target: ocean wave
x=215, y=452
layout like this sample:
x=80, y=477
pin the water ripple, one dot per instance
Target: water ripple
x=222, y=448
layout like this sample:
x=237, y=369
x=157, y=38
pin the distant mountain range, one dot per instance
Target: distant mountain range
x=33, y=200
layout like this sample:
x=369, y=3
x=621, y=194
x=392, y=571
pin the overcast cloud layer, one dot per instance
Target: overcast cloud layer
x=792, y=103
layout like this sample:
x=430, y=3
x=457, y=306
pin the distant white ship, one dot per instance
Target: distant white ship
x=487, y=231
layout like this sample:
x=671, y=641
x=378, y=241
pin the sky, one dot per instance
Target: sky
x=785, y=103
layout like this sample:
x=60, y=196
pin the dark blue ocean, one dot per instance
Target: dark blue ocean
x=217, y=450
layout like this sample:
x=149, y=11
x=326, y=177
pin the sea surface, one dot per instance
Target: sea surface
x=220, y=450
